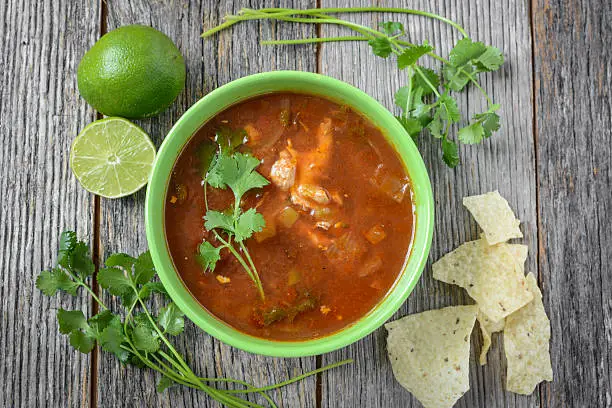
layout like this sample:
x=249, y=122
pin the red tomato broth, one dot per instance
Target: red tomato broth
x=346, y=284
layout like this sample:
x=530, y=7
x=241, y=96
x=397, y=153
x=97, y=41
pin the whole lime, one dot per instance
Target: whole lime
x=133, y=71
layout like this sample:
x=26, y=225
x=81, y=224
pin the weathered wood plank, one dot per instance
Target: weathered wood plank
x=574, y=151
x=506, y=162
x=41, y=112
x=210, y=64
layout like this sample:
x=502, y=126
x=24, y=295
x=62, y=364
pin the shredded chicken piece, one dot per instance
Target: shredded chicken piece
x=312, y=163
x=283, y=171
x=323, y=225
x=316, y=238
x=315, y=193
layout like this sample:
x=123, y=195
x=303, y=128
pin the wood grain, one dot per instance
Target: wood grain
x=41, y=112
x=574, y=145
x=210, y=64
x=506, y=162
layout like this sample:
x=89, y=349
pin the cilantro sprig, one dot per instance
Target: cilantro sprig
x=427, y=101
x=228, y=168
x=138, y=336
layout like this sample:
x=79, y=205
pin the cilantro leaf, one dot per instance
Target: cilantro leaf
x=413, y=126
x=466, y=50
x=471, y=134
x=145, y=339
x=248, y=222
x=381, y=46
x=490, y=122
x=411, y=55
x=70, y=320
x=208, y=256
x=144, y=270
x=99, y=322
x=217, y=219
x=81, y=335
x=401, y=97
x=229, y=140
x=171, y=319
x=111, y=339
x=118, y=283
x=483, y=127
x=448, y=108
x=467, y=60
x=74, y=255
x=450, y=153
x=81, y=341
x=68, y=241
x=392, y=28
x=152, y=287
x=164, y=383
x=436, y=126
x=245, y=178
x=431, y=76
x=115, y=280
x=205, y=154
x=237, y=172
x=490, y=60
x=49, y=282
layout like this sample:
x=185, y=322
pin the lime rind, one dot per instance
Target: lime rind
x=112, y=157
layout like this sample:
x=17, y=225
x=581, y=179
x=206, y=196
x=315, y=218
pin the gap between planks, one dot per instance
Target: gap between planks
x=534, y=124
x=93, y=374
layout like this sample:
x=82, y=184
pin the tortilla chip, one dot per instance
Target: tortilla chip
x=526, y=339
x=487, y=328
x=430, y=354
x=520, y=253
x=494, y=215
x=491, y=275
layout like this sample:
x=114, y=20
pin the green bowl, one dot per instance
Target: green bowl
x=307, y=83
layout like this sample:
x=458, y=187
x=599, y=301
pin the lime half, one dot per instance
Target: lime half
x=112, y=157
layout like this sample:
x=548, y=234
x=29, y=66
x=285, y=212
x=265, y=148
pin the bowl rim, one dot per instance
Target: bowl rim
x=300, y=82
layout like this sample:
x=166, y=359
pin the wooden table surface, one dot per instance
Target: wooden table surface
x=551, y=160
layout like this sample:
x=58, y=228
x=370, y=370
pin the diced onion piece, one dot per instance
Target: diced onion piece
x=389, y=184
x=268, y=231
x=294, y=276
x=287, y=217
x=371, y=266
x=323, y=213
x=376, y=234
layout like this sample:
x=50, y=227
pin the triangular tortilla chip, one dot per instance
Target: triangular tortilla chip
x=494, y=215
x=430, y=353
x=526, y=341
x=487, y=328
x=491, y=275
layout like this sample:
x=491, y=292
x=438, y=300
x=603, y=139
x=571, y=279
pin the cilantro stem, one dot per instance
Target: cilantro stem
x=255, y=273
x=314, y=40
x=248, y=14
x=86, y=286
x=373, y=9
x=295, y=379
x=252, y=274
x=426, y=80
x=161, y=335
x=410, y=74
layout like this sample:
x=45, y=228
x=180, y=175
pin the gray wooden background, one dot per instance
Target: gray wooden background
x=551, y=160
